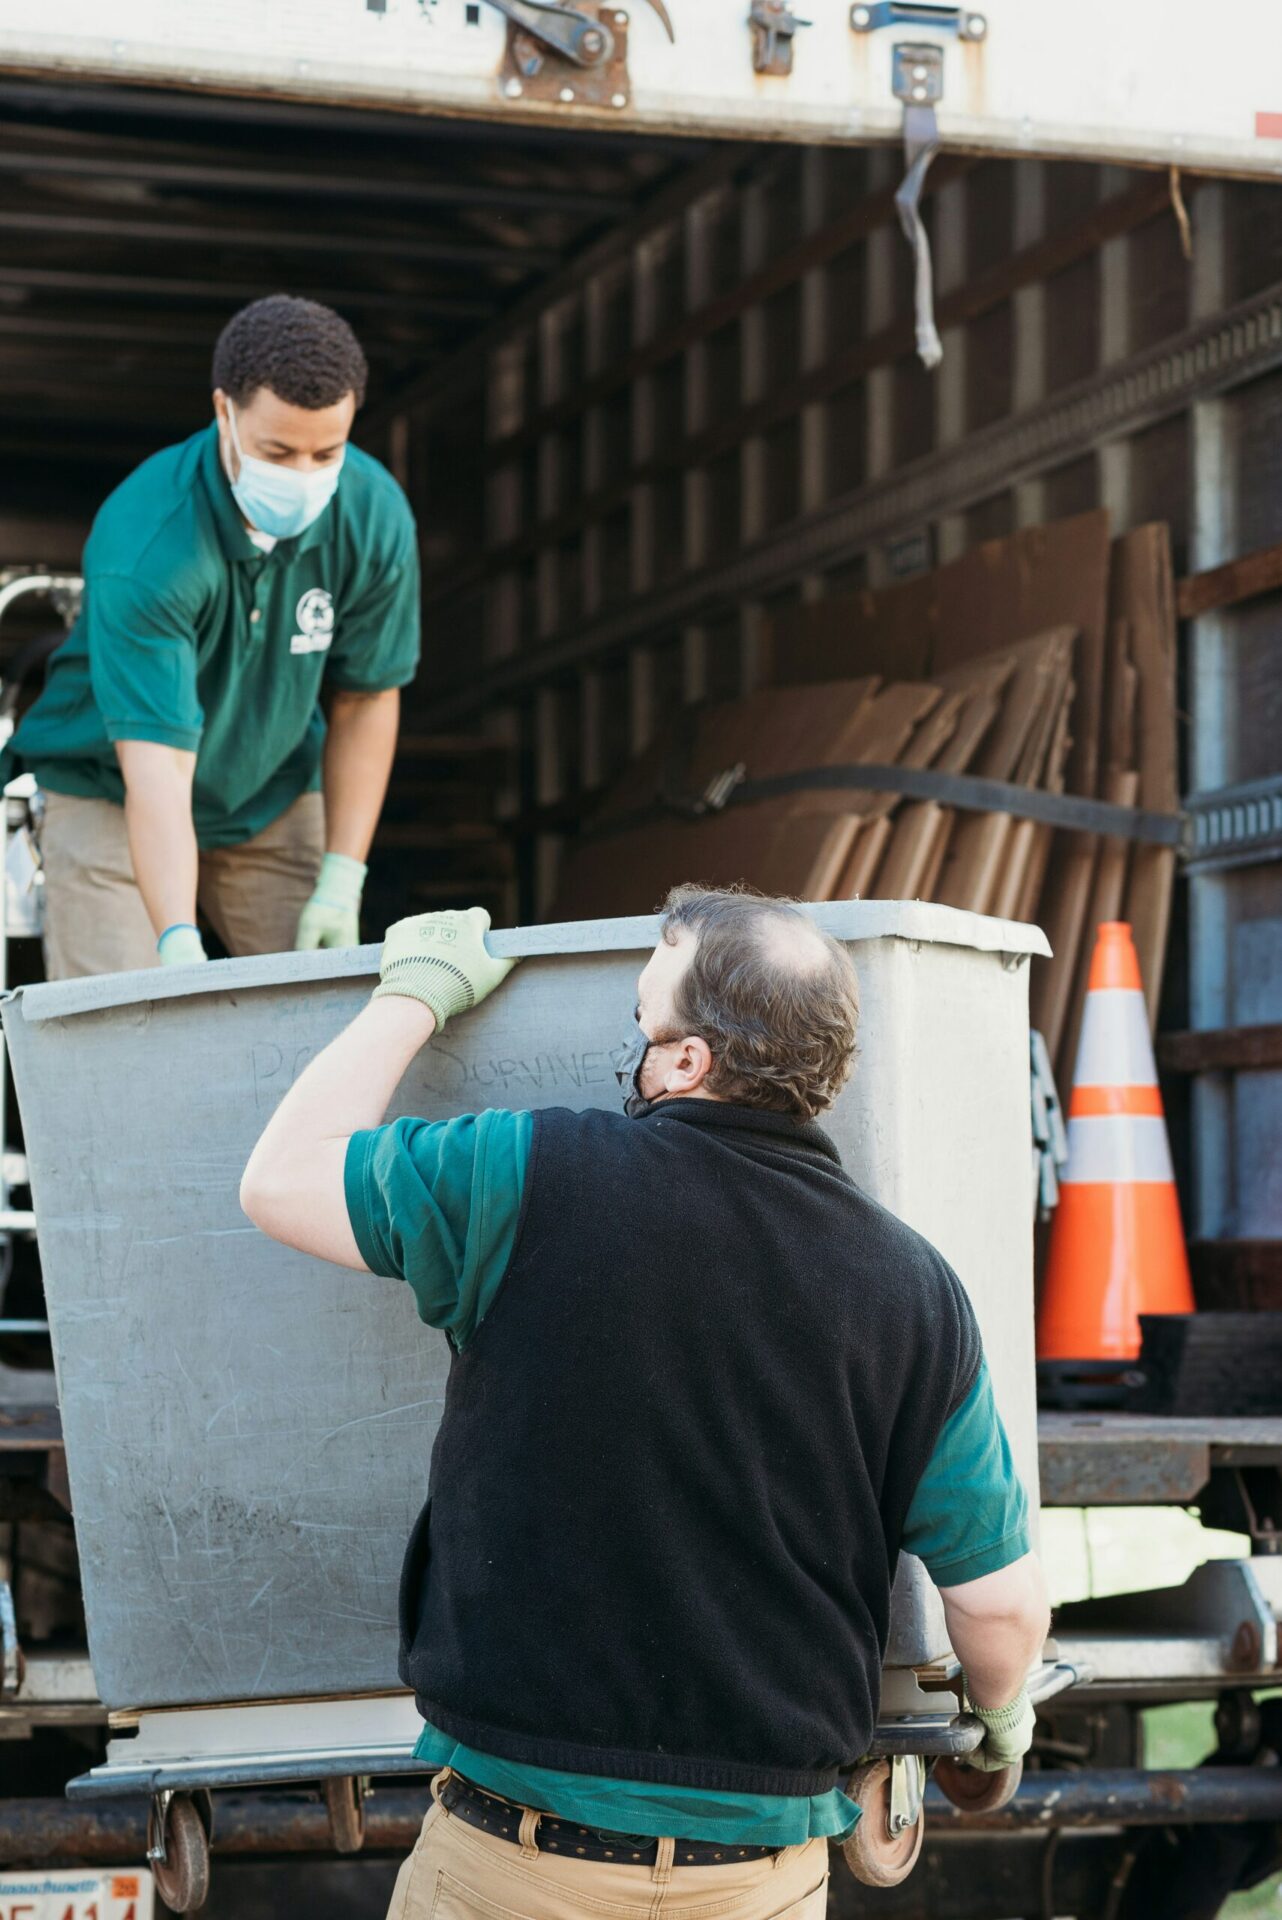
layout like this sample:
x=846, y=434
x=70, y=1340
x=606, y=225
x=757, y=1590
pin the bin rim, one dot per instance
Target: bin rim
x=920, y=921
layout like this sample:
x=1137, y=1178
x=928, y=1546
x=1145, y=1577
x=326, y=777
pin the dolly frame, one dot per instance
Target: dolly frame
x=179, y=1755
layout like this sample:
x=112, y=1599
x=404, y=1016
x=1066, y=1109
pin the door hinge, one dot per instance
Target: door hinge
x=577, y=56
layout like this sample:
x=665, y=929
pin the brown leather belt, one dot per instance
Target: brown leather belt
x=566, y=1838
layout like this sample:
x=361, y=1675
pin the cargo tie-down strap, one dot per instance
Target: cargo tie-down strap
x=971, y=794
x=917, y=79
x=921, y=144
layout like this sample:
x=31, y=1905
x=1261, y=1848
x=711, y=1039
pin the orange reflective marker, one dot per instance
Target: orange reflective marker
x=1117, y=1245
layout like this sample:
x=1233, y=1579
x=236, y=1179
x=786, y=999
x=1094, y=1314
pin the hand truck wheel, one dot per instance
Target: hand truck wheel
x=344, y=1796
x=178, y=1851
x=973, y=1790
x=883, y=1848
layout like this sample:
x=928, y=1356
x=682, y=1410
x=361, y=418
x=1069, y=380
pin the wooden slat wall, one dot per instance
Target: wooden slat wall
x=749, y=361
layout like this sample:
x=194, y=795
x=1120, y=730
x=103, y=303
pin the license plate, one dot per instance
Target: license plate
x=77, y=1896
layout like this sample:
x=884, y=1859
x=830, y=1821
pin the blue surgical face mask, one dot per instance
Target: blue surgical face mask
x=280, y=500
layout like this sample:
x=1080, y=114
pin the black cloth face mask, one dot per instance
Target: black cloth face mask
x=627, y=1072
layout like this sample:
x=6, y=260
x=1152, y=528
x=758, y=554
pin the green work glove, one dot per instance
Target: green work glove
x=1008, y=1734
x=332, y=917
x=181, y=946
x=441, y=959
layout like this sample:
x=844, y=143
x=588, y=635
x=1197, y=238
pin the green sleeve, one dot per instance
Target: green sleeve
x=142, y=661
x=969, y=1515
x=437, y=1204
x=376, y=640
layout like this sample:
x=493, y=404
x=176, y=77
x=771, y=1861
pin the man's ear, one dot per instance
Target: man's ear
x=691, y=1067
x=231, y=465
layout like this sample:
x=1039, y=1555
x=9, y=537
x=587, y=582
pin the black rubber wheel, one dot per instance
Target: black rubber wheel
x=973, y=1790
x=345, y=1805
x=875, y=1856
x=182, y=1877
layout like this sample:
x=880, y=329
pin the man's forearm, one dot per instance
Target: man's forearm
x=996, y=1661
x=162, y=838
x=349, y=1084
x=293, y=1185
x=434, y=965
x=997, y=1626
x=360, y=745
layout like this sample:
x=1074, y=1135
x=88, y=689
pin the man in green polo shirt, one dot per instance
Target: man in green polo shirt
x=703, y=1392
x=180, y=744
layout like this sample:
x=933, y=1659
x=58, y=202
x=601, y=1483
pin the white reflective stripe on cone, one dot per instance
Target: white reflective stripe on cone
x=1115, y=1049
x=1118, y=1149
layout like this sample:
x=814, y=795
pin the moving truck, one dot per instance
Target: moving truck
x=703, y=333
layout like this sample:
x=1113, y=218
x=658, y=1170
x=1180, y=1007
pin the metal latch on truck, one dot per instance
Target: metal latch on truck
x=574, y=55
x=774, y=26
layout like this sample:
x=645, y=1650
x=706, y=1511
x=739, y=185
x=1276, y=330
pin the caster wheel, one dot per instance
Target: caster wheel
x=974, y=1791
x=345, y=1805
x=182, y=1877
x=876, y=1856
x=203, y=1801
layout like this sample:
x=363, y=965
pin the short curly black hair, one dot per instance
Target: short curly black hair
x=307, y=354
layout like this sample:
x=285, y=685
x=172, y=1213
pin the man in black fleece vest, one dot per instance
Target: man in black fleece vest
x=703, y=1392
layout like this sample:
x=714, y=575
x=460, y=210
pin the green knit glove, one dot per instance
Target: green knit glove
x=442, y=960
x=181, y=946
x=1008, y=1734
x=332, y=917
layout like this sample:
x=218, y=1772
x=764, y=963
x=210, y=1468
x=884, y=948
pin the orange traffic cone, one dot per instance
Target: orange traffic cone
x=1117, y=1246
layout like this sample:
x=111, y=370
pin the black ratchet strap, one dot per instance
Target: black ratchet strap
x=967, y=792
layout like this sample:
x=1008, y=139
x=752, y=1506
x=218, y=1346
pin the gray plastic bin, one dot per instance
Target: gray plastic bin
x=248, y=1430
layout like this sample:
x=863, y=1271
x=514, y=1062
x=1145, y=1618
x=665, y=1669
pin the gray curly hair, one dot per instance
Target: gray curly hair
x=776, y=1000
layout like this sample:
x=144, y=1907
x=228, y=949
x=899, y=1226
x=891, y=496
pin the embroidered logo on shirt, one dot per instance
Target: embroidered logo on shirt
x=315, y=617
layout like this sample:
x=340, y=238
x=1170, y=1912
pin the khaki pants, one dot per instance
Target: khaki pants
x=95, y=921
x=458, y=1872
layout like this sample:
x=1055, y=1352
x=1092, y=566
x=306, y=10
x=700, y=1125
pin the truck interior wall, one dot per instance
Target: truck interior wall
x=788, y=385
x=633, y=439
x=708, y=461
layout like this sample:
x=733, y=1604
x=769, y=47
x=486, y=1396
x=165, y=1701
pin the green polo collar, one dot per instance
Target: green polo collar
x=234, y=539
